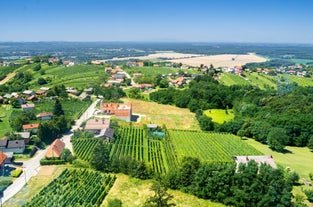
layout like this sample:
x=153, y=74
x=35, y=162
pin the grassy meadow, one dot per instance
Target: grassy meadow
x=173, y=117
x=153, y=71
x=220, y=115
x=133, y=192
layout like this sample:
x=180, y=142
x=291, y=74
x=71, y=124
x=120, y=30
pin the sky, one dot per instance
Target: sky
x=260, y=21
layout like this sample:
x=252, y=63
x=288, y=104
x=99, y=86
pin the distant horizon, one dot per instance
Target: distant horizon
x=240, y=21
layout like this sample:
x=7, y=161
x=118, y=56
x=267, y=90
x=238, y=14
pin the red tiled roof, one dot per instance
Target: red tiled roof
x=2, y=157
x=30, y=126
x=43, y=114
x=55, y=149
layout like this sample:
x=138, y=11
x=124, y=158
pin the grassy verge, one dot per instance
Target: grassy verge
x=134, y=192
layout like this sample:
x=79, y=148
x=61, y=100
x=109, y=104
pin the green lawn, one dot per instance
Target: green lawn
x=5, y=113
x=220, y=115
x=260, y=80
x=297, y=158
x=232, y=79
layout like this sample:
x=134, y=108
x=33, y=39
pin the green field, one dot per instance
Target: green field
x=301, y=81
x=220, y=115
x=262, y=81
x=154, y=71
x=209, y=147
x=5, y=113
x=232, y=79
x=78, y=76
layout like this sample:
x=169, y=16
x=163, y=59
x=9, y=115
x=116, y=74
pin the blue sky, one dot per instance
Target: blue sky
x=277, y=21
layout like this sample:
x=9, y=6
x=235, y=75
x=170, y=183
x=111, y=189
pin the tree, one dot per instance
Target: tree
x=277, y=138
x=67, y=155
x=37, y=67
x=293, y=177
x=206, y=123
x=310, y=142
x=57, y=110
x=101, y=157
x=41, y=81
x=161, y=197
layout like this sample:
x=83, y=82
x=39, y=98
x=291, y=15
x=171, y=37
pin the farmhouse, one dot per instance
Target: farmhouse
x=88, y=90
x=30, y=127
x=84, y=96
x=33, y=98
x=44, y=116
x=55, y=149
x=28, y=107
x=107, y=134
x=258, y=159
x=95, y=125
x=121, y=111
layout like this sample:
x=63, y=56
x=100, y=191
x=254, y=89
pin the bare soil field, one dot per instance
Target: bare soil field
x=225, y=60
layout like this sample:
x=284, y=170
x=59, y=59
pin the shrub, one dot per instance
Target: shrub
x=309, y=195
x=311, y=176
x=51, y=162
x=16, y=173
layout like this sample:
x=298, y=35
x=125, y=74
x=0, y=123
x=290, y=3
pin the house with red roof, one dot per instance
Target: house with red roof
x=30, y=127
x=55, y=149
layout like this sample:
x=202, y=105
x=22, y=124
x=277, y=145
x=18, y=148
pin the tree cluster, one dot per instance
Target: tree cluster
x=249, y=185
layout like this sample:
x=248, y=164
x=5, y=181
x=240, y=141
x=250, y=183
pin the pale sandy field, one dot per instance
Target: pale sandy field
x=225, y=60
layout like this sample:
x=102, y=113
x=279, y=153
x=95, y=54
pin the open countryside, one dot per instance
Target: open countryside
x=156, y=103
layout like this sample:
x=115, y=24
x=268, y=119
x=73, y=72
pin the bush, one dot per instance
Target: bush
x=16, y=173
x=309, y=195
x=51, y=162
x=311, y=176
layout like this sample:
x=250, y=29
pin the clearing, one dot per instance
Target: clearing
x=172, y=116
x=220, y=115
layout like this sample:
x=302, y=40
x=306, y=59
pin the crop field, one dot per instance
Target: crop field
x=262, y=81
x=75, y=188
x=220, y=115
x=134, y=142
x=5, y=113
x=174, y=117
x=209, y=147
x=301, y=81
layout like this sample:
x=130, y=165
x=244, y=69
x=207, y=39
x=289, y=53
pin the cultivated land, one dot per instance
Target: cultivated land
x=220, y=115
x=133, y=192
x=173, y=117
x=227, y=60
x=5, y=113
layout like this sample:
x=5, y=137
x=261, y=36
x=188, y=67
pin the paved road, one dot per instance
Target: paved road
x=31, y=167
x=128, y=76
x=66, y=138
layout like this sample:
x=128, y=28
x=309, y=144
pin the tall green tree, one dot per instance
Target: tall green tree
x=57, y=110
x=277, y=138
x=101, y=157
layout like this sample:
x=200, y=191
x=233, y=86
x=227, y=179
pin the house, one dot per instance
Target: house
x=53, y=60
x=118, y=76
x=3, y=142
x=72, y=91
x=88, y=90
x=28, y=107
x=20, y=99
x=55, y=149
x=8, y=96
x=84, y=96
x=15, y=146
x=258, y=159
x=108, y=70
x=40, y=92
x=30, y=127
x=25, y=136
x=97, y=62
x=107, y=133
x=135, y=75
x=68, y=63
x=28, y=92
x=33, y=98
x=44, y=89
x=120, y=111
x=144, y=86
x=96, y=125
x=140, y=64
x=44, y=116
x=152, y=126
x=3, y=158
x=179, y=82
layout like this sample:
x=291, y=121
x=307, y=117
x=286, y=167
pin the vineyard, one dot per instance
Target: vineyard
x=75, y=188
x=84, y=147
x=210, y=147
x=134, y=142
